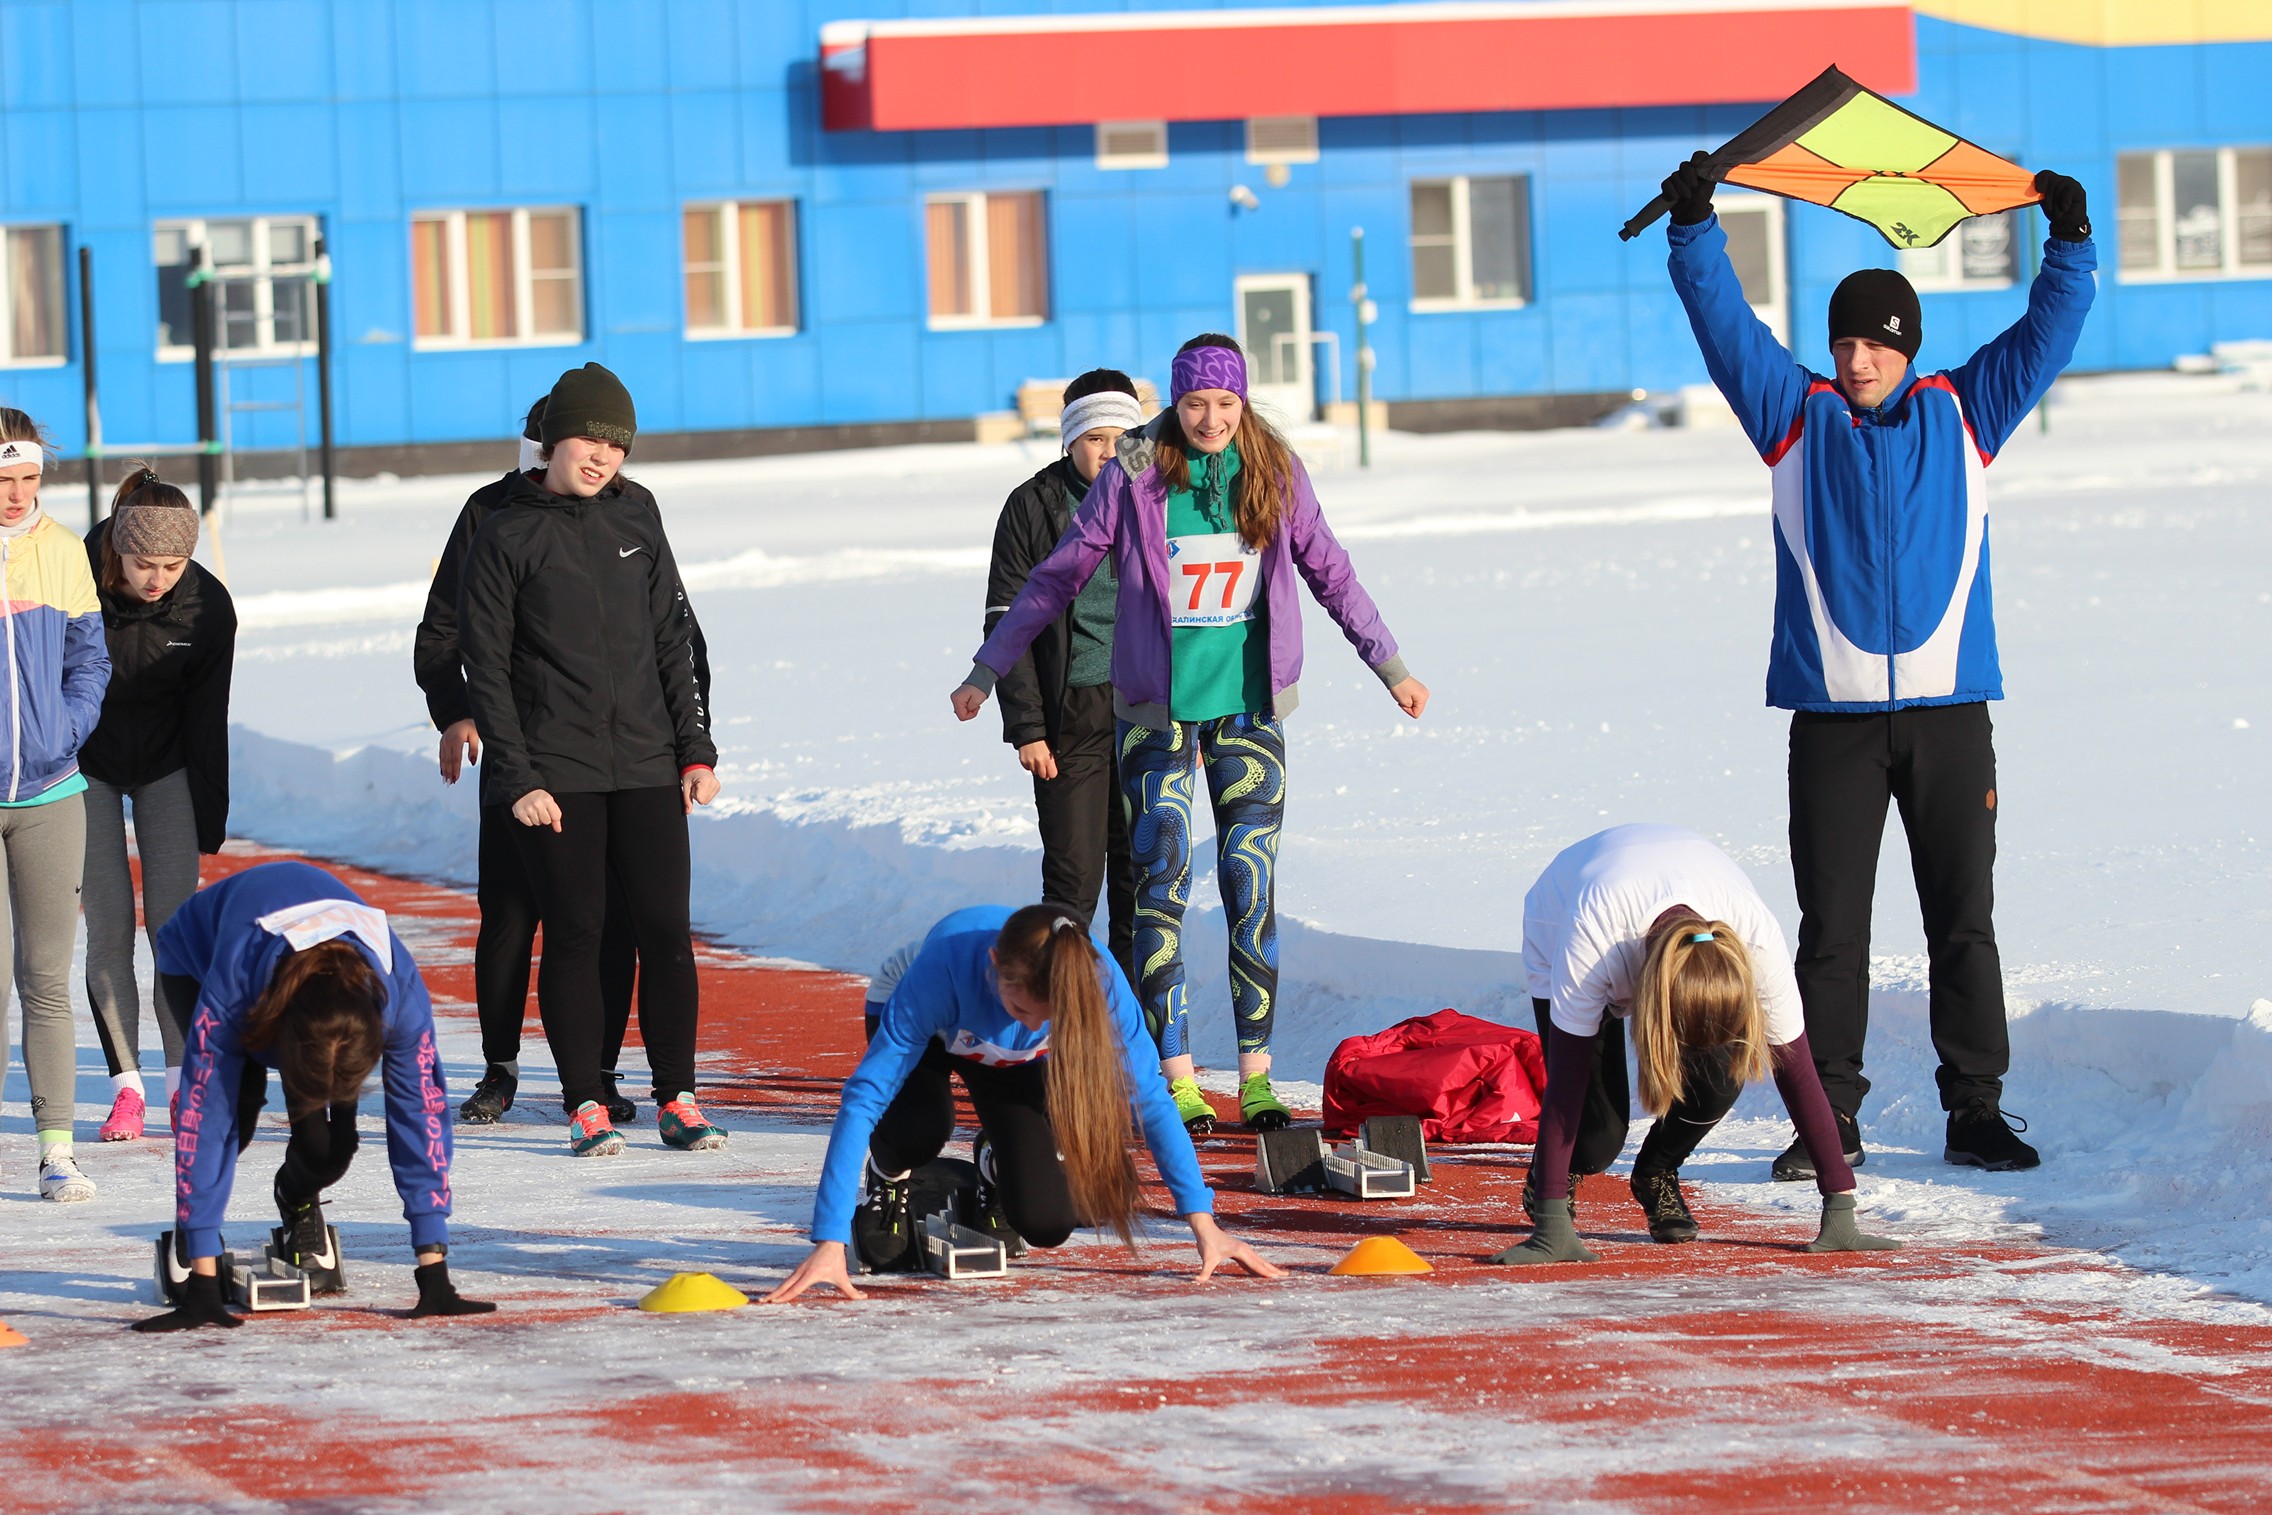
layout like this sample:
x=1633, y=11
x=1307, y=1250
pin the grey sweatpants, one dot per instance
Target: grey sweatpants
x=165, y=833
x=46, y=853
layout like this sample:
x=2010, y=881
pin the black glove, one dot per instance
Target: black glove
x=438, y=1296
x=1689, y=188
x=1839, y=1233
x=2065, y=206
x=201, y=1305
x=1553, y=1238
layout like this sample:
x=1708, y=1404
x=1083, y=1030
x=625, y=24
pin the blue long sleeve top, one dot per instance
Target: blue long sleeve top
x=229, y=938
x=948, y=995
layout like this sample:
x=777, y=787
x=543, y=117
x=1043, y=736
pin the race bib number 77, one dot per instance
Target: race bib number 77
x=1212, y=579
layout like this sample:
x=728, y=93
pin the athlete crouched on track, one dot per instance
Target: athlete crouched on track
x=1656, y=925
x=1054, y=1053
x=283, y=966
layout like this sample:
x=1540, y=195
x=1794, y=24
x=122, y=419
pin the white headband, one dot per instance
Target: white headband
x=13, y=453
x=1107, y=407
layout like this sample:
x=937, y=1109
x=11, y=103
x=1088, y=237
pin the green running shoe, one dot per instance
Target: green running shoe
x=1259, y=1107
x=1191, y=1106
x=684, y=1128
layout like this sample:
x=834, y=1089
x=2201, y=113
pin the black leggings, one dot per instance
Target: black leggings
x=638, y=835
x=1708, y=1092
x=323, y=1141
x=1013, y=1110
x=508, y=936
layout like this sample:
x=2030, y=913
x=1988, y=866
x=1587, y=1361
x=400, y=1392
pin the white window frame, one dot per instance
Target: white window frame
x=1280, y=155
x=1110, y=162
x=1945, y=274
x=195, y=231
x=524, y=284
x=7, y=306
x=1776, y=314
x=1463, y=248
x=2229, y=267
x=730, y=249
x=980, y=257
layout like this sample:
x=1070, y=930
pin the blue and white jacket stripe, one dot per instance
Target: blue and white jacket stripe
x=1881, y=516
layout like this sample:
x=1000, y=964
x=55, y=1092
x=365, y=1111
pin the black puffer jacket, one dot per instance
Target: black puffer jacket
x=434, y=655
x=578, y=663
x=167, y=706
x=1033, y=519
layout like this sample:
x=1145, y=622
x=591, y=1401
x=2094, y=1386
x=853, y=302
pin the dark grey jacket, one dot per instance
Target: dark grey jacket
x=1033, y=519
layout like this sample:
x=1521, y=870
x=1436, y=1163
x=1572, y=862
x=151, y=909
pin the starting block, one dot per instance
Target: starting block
x=957, y=1252
x=271, y=1284
x=1397, y=1136
x=1356, y=1169
x=1290, y=1161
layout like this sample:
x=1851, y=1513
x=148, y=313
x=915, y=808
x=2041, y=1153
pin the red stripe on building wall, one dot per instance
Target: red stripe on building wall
x=937, y=79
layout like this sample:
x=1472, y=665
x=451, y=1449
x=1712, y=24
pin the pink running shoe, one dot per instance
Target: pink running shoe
x=125, y=1123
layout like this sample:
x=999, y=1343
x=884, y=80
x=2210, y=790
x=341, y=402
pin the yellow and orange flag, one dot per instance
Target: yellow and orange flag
x=1835, y=143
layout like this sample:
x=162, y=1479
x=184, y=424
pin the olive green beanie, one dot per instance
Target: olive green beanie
x=590, y=402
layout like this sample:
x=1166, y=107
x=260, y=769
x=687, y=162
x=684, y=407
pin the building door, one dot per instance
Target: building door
x=1274, y=328
x=1754, y=224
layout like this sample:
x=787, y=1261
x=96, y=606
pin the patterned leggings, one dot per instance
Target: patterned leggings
x=1244, y=757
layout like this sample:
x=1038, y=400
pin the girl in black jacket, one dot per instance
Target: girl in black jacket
x=162, y=746
x=580, y=673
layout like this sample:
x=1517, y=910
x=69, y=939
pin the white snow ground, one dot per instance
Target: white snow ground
x=1590, y=609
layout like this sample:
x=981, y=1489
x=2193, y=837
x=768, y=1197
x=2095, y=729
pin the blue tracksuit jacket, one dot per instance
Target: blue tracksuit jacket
x=1881, y=517
x=230, y=937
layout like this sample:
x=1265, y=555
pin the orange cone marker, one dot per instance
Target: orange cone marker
x=1380, y=1255
x=11, y=1337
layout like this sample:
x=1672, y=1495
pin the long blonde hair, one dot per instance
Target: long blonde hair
x=1089, y=1105
x=1264, y=488
x=1696, y=991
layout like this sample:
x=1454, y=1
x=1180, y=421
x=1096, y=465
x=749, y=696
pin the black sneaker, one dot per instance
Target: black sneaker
x=1660, y=1200
x=492, y=1097
x=620, y=1110
x=1981, y=1135
x=306, y=1242
x=883, y=1233
x=984, y=1212
x=1795, y=1166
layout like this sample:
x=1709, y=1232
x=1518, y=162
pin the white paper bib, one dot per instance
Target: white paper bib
x=1212, y=579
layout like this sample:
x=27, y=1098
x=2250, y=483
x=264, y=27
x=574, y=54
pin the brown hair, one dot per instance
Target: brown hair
x=141, y=486
x=1265, y=485
x=1044, y=953
x=323, y=1014
x=1696, y=991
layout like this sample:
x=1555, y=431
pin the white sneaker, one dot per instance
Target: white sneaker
x=61, y=1180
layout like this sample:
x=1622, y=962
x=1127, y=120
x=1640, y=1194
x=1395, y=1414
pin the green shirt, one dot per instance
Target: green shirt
x=1090, y=661
x=1219, y=646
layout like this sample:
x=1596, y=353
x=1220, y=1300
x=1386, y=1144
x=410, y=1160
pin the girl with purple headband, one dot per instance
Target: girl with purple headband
x=1209, y=517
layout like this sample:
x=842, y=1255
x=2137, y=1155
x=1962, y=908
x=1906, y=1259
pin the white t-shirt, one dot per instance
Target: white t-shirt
x=1586, y=922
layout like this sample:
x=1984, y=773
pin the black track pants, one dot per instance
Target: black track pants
x=1608, y=1112
x=1707, y=1093
x=508, y=935
x=1938, y=763
x=639, y=835
x=1084, y=826
x=1013, y=1109
x=321, y=1147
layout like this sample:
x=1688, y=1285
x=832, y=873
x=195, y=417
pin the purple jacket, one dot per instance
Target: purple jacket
x=1126, y=513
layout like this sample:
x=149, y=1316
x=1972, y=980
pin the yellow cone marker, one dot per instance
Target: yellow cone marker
x=1381, y=1254
x=11, y=1337
x=684, y=1293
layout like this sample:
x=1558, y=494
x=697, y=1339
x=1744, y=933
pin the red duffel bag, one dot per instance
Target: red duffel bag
x=1468, y=1080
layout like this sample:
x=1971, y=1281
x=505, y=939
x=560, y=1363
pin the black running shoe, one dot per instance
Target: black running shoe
x=883, y=1233
x=984, y=1213
x=1796, y=1166
x=306, y=1242
x=620, y=1110
x=1660, y=1199
x=1981, y=1135
x=492, y=1097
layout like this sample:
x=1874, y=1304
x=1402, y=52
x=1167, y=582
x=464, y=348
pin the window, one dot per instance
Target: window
x=989, y=260
x=1982, y=253
x=1470, y=242
x=741, y=268
x=262, y=266
x=1132, y=144
x=2196, y=213
x=496, y=277
x=32, y=313
x=1754, y=227
x=1281, y=139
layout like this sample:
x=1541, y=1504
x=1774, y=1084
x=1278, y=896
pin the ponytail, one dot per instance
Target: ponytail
x=1696, y=991
x=1045, y=953
x=324, y=1015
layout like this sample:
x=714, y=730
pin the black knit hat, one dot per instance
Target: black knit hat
x=534, y=430
x=590, y=402
x=1877, y=305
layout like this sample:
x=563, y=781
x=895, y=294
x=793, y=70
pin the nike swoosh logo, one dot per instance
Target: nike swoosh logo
x=628, y=551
